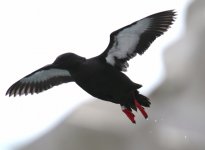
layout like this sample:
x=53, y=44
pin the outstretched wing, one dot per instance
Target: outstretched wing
x=135, y=38
x=40, y=80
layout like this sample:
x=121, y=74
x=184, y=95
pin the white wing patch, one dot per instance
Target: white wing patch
x=126, y=40
x=44, y=75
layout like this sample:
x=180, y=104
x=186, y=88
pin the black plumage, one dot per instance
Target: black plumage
x=102, y=76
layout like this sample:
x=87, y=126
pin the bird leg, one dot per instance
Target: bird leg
x=129, y=113
x=139, y=106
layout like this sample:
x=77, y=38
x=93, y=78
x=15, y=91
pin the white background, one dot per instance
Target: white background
x=34, y=33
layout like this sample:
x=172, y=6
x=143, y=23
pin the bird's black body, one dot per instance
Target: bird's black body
x=102, y=76
x=103, y=81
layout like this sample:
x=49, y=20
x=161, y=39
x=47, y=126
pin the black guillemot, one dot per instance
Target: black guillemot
x=102, y=76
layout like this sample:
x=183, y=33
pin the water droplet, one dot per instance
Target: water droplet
x=155, y=121
x=185, y=137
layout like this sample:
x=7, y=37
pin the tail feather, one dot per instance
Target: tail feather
x=143, y=100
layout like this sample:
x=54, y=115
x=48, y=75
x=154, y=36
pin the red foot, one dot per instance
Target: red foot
x=140, y=108
x=129, y=114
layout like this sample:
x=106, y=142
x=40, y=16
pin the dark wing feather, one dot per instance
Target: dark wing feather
x=39, y=81
x=135, y=38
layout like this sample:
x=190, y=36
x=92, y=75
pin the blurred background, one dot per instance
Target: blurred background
x=34, y=33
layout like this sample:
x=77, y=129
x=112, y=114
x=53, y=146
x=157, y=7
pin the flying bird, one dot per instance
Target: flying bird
x=102, y=76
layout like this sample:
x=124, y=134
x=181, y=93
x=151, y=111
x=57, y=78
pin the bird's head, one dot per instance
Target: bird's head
x=68, y=61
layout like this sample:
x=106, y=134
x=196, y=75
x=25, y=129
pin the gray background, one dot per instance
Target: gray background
x=176, y=118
